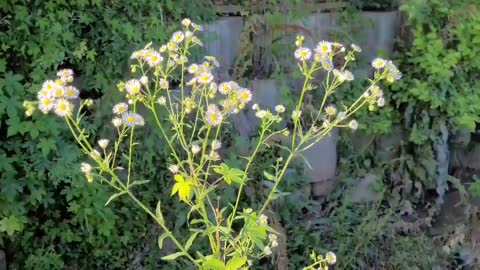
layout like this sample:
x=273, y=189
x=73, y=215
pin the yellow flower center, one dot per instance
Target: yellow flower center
x=131, y=119
x=204, y=78
x=395, y=73
x=62, y=107
x=70, y=93
x=46, y=102
x=214, y=117
x=49, y=86
x=378, y=63
x=324, y=48
x=326, y=64
x=244, y=96
x=303, y=54
x=154, y=58
x=330, y=111
x=58, y=92
x=135, y=90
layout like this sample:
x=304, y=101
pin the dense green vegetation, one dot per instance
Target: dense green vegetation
x=51, y=218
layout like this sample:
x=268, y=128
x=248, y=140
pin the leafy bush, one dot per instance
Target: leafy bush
x=46, y=208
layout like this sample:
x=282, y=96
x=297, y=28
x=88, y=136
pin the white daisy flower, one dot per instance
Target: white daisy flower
x=395, y=74
x=378, y=63
x=163, y=83
x=162, y=100
x=330, y=258
x=172, y=46
x=339, y=75
x=326, y=63
x=356, y=48
x=205, y=78
x=48, y=86
x=261, y=114
x=85, y=168
x=120, y=108
x=186, y=22
x=58, y=91
x=117, y=122
x=353, y=124
x=133, y=86
x=214, y=155
x=376, y=91
x=263, y=219
x=195, y=149
x=154, y=58
x=66, y=79
x=279, y=108
x=348, y=75
x=193, y=68
x=178, y=37
x=225, y=88
x=144, y=80
x=65, y=72
x=71, y=92
x=173, y=168
x=330, y=110
x=62, y=107
x=296, y=114
x=323, y=47
x=163, y=49
x=245, y=95
x=46, y=104
x=132, y=119
x=381, y=102
x=255, y=107
x=43, y=93
x=303, y=54
x=103, y=143
x=216, y=144
x=213, y=115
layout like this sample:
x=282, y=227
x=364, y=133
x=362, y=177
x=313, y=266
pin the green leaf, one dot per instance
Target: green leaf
x=137, y=183
x=236, y=263
x=190, y=240
x=214, y=264
x=46, y=145
x=158, y=212
x=173, y=256
x=161, y=238
x=230, y=174
x=114, y=196
x=269, y=176
x=10, y=225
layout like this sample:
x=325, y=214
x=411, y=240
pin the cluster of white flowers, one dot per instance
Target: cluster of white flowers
x=56, y=95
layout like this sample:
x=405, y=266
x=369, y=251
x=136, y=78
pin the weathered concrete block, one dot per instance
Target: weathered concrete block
x=222, y=42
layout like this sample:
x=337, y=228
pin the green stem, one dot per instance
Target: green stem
x=164, y=227
x=250, y=160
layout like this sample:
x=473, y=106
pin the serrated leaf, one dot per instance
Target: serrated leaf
x=173, y=256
